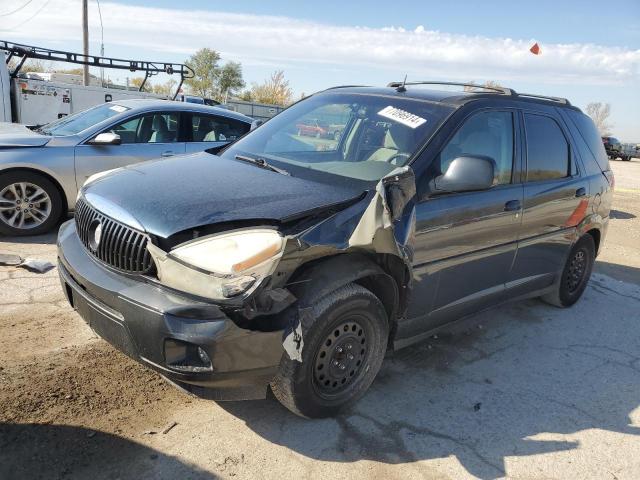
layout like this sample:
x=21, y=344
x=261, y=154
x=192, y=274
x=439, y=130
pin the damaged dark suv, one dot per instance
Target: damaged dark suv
x=296, y=261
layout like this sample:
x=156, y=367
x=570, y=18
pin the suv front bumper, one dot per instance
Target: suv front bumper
x=138, y=317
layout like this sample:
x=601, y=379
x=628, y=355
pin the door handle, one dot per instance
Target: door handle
x=168, y=153
x=581, y=192
x=512, y=206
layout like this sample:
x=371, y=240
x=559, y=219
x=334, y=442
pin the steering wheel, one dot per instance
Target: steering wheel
x=398, y=155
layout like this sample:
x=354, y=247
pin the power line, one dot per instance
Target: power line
x=32, y=16
x=16, y=10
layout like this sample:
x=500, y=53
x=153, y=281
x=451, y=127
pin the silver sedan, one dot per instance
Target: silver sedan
x=41, y=170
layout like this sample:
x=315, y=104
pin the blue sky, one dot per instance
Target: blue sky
x=590, y=50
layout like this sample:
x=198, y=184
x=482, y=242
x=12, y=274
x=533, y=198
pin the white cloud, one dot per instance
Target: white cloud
x=289, y=42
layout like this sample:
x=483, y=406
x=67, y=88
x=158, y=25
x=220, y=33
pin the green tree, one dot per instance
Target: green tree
x=275, y=90
x=229, y=81
x=204, y=64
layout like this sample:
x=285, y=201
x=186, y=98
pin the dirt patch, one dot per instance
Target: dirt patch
x=88, y=385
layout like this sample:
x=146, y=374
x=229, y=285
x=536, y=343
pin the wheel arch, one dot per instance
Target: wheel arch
x=385, y=276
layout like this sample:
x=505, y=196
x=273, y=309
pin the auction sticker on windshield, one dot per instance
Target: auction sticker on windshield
x=402, y=116
x=118, y=108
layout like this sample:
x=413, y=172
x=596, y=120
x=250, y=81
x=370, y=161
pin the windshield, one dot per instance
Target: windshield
x=359, y=136
x=78, y=122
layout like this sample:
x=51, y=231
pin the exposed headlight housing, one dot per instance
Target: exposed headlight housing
x=220, y=266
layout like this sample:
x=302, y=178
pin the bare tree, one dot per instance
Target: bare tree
x=30, y=66
x=480, y=88
x=275, y=90
x=137, y=81
x=167, y=88
x=599, y=113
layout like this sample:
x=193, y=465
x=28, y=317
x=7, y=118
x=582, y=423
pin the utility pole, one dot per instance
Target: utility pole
x=85, y=41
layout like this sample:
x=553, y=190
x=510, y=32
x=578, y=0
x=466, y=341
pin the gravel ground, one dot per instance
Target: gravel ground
x=523, y=391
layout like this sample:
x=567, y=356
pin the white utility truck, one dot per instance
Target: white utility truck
x=38, y=98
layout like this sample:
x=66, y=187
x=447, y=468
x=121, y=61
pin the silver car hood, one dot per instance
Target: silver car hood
x=16, y=135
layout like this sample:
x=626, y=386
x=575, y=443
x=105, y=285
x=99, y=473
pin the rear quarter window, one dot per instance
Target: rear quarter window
x=589, y=142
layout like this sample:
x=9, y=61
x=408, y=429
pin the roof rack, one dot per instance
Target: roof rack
x=502, y=90
x=499, y=90
x=149, y=68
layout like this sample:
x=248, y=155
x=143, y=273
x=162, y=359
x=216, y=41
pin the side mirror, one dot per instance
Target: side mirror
x=107, y=138
x=467, y=173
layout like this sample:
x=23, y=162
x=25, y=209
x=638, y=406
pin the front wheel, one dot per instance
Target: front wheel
x=30, y=204
x=344, y=346
x=575, y=275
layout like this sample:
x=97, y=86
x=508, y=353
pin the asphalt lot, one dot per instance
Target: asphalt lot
x=524, y=391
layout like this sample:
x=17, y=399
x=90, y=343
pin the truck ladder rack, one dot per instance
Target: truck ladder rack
x=149, y=68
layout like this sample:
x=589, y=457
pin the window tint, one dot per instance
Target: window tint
x=208, y=128
x=151, y=128
x=487, y=133
x=547, y=149
x=589, y=142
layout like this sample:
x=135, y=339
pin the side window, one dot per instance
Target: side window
x=589, y=143
x=486, y=133
x=150, y=128
x=209, y=128
x=547, y=149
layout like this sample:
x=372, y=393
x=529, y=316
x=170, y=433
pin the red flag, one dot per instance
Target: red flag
x=535, y=49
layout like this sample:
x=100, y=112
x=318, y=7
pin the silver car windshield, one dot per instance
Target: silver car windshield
x=79, y=122
x=359, y=136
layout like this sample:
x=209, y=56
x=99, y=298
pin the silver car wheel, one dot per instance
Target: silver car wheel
x=24, y=205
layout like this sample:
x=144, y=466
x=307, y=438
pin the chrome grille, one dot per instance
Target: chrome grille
x=120, y=246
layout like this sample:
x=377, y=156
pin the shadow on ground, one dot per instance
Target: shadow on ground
x=521, y=380
x=620, y=215
x=33, y=451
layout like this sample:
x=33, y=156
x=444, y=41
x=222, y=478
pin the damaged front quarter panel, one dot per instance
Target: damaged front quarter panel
x=381, y=225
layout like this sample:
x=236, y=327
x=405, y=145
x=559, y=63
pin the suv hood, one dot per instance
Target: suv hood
x=168, y=196
x=15, y=135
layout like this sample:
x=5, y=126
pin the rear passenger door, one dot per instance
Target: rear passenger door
x=205, y=131
x=555, y=199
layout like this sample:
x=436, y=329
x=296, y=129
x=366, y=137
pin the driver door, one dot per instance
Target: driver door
x=466, y=242
x=144, y=137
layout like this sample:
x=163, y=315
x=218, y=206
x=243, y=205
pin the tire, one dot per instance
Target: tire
x=313, y=388
x=37, y=217
x=626, y=158
x=568, y=289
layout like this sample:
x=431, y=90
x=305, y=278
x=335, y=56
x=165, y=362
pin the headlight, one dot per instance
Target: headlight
x=220, y=266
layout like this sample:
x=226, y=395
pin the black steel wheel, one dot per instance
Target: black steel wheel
x=340, y=358
x=344, y=345
x=575, y=275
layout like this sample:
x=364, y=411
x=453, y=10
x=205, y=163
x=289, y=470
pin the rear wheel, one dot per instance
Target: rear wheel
x=575, y=275
x=30, y=204
x=343, y=350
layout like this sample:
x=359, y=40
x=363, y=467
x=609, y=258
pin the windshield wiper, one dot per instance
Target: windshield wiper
x=262, y=163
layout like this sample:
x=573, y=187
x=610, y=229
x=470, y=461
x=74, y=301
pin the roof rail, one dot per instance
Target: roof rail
x=501, y=90
x=545, y=97
x=149, y=68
